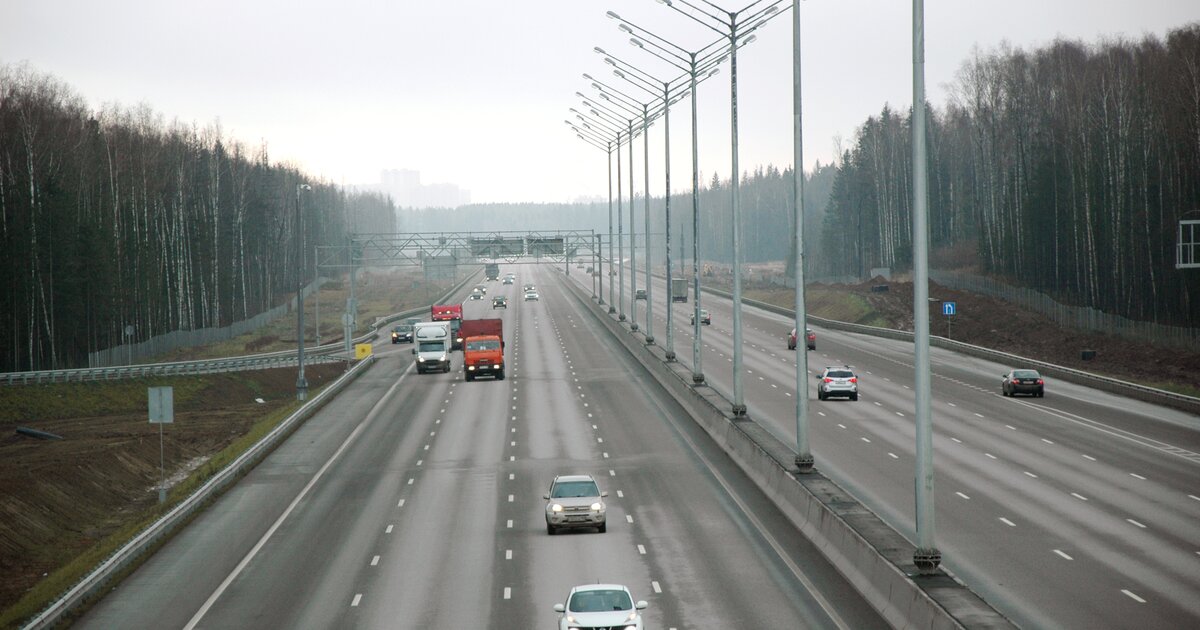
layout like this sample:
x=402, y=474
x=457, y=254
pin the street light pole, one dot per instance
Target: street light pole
x=301, y=383
x=804, y=457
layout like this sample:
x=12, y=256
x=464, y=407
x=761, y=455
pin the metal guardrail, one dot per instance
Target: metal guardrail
x=1181, y=402
x=328, y=353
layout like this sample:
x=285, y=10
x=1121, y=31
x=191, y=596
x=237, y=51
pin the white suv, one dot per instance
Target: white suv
x=575, y=501
x=837, y=381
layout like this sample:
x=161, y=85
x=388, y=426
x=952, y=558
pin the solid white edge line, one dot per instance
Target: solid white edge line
x=1060, y=552
x=1007, y=522
x=1134, y=597
x=212, y=599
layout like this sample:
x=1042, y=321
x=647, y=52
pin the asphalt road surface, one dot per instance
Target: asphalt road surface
x=415, y=501
x=1077, y=510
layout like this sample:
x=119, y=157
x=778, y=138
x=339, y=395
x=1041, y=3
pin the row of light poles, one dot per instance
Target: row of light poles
x=736, y=29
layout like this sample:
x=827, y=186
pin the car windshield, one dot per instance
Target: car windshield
x=490, y=344
x=1025, y=374
x=839, y=374
x=600, y=601
x=431, y=346
x=572, y=489
x=402, y=329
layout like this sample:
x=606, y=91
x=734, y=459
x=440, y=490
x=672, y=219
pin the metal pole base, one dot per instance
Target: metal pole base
x=697, y=379
x=670, y=356
x=739, y=410
x=301, y=389
x=650, y=341
x=633, y=326
x=804, y=463
x=601, y=302
x=621, y=317
x=927, y=561
x=611, y=309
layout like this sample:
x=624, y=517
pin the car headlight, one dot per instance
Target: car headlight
x=420, y=359
x=470, y=368
x=557, y=507
x=597, y=506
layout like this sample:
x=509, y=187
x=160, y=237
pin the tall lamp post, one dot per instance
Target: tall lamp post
x=735, y=27
x=598, y=140
x=804, y=457
x=301, y=382
x=600, y=117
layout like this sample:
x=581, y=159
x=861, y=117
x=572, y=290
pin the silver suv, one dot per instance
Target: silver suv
x=837, y=381
x=575, y=501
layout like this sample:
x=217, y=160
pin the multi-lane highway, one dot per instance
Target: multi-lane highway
x=1077, y=510
x=415, y=501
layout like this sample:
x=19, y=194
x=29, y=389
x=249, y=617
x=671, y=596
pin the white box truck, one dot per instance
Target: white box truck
x=679, y=290
x=432, y=346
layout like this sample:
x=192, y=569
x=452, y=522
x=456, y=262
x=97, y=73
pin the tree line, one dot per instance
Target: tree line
x=114, y=218
x=1065, y=169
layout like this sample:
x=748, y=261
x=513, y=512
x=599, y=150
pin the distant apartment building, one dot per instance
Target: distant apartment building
x=407, y=191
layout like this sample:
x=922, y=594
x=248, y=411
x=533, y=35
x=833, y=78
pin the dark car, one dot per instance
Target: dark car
x=705, y=318
x=500, y=302
x=640, y=294
x=402, y=333
x=1023, y=382
x=810, y=339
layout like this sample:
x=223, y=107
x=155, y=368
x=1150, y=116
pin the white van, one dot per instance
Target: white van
x=432, y=346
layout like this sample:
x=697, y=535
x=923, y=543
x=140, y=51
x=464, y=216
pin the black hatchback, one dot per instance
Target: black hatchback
x=1023, y=382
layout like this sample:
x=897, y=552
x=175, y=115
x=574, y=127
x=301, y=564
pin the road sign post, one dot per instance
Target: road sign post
x=949, y=309
x=162, y=411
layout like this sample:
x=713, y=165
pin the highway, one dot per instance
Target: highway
x=1077, y=510
x=415, y=501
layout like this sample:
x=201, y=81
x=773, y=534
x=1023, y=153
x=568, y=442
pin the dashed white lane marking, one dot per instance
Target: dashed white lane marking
x=1133, y=597
x=605, y=455
x=508, y=554
x=1007, y=522
x=787, y=394
x=1194, y=497
x=1089, y=458
x=841, y=426
x=1137, y=476
x=893, y=456
x=1059, y=552
x=956, y=440
x=868, y=441
x=510, y=523
x=821, y=413
x=1136, y=523
x=389, y=529
x=877, y=404
x=401, y=503
x=899, y=414
x=357, y=599
x=375, y=561
x=654, y=585
x=420, y=461
x=963, y=496
x=642, y=549
x=620, y=495
x=1011, y=427
x=1079, y=496
x=510, y=498
x=1047, y=441
x=514, y=430
x=511, y=476
x=513, y=443
x=600, y=440
x=990, y=455
x=951, y=404
x=1030, y=474
x=432, y=433
x=427, y=447
x=979, y=415
x=628, y=518
x=507, y=592
x=512, y=458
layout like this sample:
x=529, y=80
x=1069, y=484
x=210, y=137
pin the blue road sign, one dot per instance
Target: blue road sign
x=948, y=308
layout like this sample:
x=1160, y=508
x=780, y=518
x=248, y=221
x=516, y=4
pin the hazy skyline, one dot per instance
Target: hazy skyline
x=475, y=93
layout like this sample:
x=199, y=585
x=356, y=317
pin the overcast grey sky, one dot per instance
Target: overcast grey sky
x=475, y=92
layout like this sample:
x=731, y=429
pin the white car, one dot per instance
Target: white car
x=531, y=296
x=600, y=606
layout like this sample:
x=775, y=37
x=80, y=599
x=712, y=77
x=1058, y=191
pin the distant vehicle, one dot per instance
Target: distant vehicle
x=640, y=294
x=476, y=295
x=500, y=301
x=433, y=347
x=453, y=314
x=491, y=271
x=531, y=296
x=575, y=501
x=837, y=381
x=529, y=287
x=595, y=606
x=1023, y=382
x=810, y=338
x=402, y=333
x=508, y=280
x=483, y=348
x=679, y=290
x=705, y=318
x=480, y=288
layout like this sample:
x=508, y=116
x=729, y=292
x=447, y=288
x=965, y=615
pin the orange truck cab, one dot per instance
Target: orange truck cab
x=483, y=348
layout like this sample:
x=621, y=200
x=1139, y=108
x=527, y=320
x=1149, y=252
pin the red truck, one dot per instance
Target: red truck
x=483, y=348
x=452, y=313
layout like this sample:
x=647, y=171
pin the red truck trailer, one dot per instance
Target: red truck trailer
x=483, y=348
x=452, y=313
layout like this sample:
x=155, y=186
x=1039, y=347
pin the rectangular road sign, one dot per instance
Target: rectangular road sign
x=948, y=308
x=162, y=405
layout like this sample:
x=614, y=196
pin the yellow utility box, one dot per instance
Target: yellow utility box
x=362, y=350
